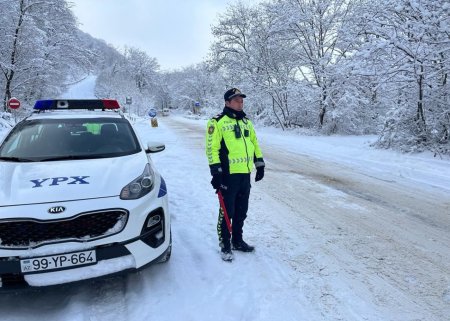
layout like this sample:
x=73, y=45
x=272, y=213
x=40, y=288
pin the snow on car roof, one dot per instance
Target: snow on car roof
x=68, y=114
x=76, y=108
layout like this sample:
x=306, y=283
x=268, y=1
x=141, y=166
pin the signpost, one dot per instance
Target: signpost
x=128, y=101
x=13, y=103
x=196, y=108
x=153, y=120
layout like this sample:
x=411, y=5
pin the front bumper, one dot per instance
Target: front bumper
x=140, y=242
x=111, y=259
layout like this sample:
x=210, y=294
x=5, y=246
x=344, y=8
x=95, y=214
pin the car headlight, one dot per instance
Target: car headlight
x=140, y=186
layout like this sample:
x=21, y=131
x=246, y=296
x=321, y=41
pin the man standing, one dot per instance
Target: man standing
x=232, y=150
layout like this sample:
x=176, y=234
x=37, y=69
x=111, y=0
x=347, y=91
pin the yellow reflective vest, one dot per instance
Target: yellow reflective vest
x=231, y=144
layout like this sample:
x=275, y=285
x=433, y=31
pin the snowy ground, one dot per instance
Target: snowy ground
x=84, y=88
x=343, y=232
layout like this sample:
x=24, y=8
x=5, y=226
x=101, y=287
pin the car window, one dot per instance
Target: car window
x=52, y=139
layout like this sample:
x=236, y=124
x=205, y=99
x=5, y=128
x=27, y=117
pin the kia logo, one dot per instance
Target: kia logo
x=56, y=209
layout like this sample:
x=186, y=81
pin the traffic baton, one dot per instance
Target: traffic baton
x=224, y=210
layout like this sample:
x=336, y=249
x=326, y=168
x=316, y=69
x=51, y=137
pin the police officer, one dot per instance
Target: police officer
x=232, y=150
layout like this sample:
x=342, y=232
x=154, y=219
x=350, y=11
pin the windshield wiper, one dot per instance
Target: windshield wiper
x=15, y=159
x=66, y=157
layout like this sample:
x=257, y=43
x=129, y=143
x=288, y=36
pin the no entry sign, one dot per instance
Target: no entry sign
x=13, y=103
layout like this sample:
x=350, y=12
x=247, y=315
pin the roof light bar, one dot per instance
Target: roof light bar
x=111, y=104
x=76, y=104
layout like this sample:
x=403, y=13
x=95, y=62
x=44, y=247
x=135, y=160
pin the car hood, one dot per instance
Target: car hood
x=56, y=181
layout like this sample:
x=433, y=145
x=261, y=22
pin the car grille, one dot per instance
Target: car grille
x=84, y=227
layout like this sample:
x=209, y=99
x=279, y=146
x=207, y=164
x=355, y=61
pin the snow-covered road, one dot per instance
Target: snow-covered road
x=341, y=234
x=364, y=246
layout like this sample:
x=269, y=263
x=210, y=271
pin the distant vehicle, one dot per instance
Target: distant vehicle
x=165, y=112
x=84, y=198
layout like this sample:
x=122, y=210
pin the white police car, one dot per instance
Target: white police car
x=79, y=196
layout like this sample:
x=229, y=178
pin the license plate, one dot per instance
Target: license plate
x=48, y=263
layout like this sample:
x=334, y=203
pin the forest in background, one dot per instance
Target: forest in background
x=319, y=66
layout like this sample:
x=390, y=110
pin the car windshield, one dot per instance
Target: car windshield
x=60, y=139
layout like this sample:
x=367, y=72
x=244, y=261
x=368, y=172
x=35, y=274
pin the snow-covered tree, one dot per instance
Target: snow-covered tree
x=196, y=84
x=409, y=41
x=40, y=50
x=319, y=30
x=289, y=53
x=132, y=74
x=251, y=55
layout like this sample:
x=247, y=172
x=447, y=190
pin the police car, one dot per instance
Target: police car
x=79, y=196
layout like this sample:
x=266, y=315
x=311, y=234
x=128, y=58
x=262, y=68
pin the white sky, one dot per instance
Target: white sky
x=175, y=32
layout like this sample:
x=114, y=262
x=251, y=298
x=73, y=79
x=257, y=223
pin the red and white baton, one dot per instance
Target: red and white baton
x=224, y=210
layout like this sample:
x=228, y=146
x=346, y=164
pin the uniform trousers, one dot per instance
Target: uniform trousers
x=235, y=197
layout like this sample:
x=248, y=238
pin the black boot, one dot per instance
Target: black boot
x=226, y=253
x=242, y=246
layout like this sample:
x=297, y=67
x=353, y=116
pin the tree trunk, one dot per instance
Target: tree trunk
x=288, y=117
x=276, y=115
x=323, y=108
x=420, y=114
x=10, y=73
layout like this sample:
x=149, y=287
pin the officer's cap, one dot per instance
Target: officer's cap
x=233, y=92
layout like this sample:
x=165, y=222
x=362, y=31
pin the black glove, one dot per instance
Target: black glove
x=259, y=173
x=216, y=181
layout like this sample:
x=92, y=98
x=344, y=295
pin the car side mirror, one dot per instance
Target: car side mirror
x=154, y=147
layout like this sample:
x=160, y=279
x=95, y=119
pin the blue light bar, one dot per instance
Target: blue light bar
x=45, y=104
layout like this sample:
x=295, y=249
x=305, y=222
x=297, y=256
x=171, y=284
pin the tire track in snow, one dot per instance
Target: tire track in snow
x=397, y=219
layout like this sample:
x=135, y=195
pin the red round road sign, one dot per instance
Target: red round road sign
x=13, y=103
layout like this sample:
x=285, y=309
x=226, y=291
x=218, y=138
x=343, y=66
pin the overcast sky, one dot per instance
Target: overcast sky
x=175, y=32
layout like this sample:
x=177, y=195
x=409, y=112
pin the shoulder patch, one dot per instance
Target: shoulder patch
x=211, y=129
x=218, y=116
